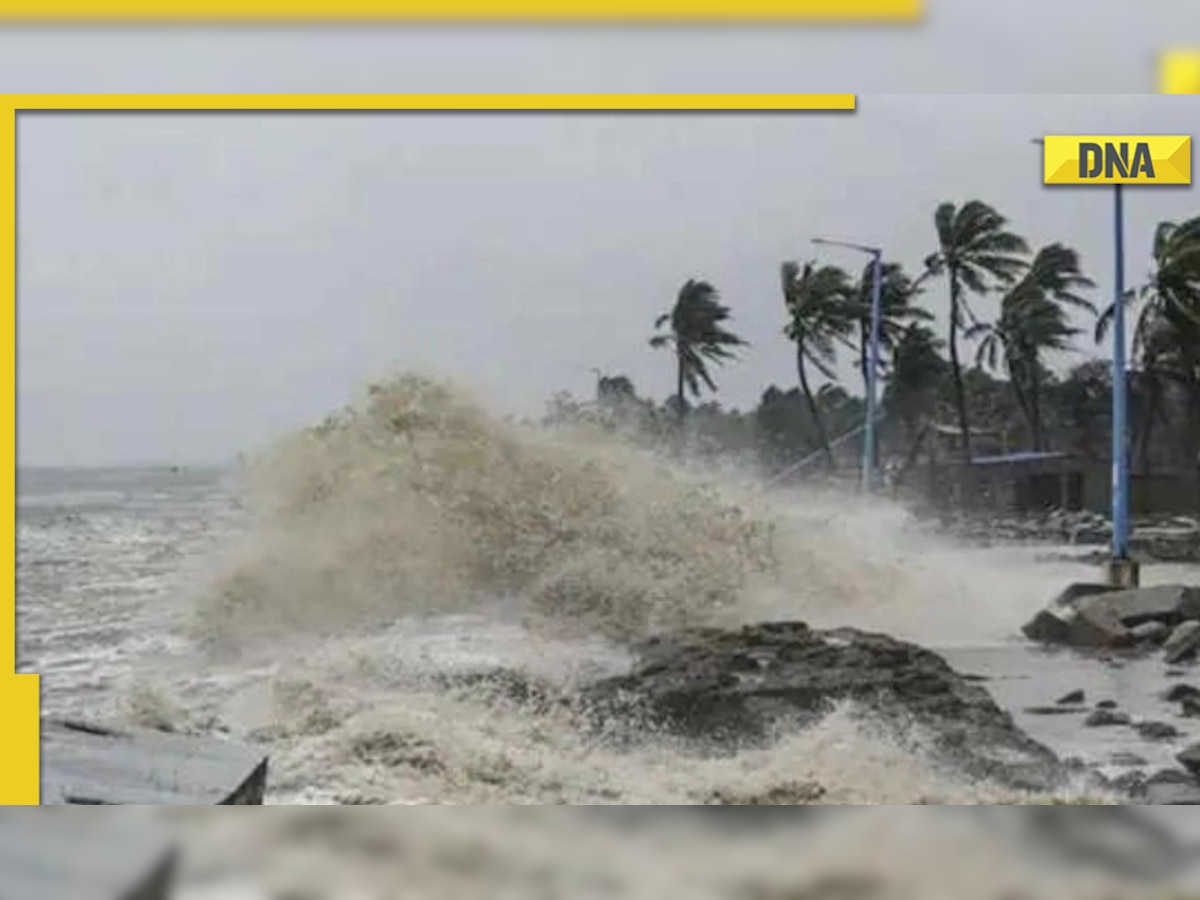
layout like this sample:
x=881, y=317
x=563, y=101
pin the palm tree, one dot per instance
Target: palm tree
x=696, y=333
x=896, y=291
x=917, y=369
x=976, y=253
x=819, y=314
x=1166, y=337
x=1033, y=319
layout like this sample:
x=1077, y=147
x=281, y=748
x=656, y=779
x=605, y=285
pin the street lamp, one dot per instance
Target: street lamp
x=1121, y=570
x=869, y=438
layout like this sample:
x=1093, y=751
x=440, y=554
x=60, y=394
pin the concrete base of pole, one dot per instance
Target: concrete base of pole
x=1123, y=573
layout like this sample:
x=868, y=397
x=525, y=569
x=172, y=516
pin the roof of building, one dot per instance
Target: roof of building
x=1010, y=458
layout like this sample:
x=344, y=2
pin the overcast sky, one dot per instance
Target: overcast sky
x=191, y=285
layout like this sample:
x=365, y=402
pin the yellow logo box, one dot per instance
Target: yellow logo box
x=1179, y=72
x=1118, y=159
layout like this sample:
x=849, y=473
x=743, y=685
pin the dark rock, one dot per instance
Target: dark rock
x=1103, y=718
x=1171, y=787
x=1059, y=622
x=1175, y=673
x=1132, y=783
x=1177, y=693
x=1189, y=758
x=1096, y=615
x=694, y=685
x=1156, y=731
x=1053, y=710
x=1073, y=698
x=1183, y=642
x=1107, y=704
x=1190, y=708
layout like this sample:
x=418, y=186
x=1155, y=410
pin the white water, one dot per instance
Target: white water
x=380, y=554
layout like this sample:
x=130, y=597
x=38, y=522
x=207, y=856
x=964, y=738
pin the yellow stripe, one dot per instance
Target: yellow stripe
x=459, y=102
x=463, y=10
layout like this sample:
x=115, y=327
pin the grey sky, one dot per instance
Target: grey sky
x=192, y=285
x=962, y=45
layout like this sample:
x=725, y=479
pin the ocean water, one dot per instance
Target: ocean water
x=306, y=603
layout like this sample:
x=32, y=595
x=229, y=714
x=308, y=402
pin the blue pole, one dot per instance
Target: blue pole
x=1120, y=456
x=869, y=439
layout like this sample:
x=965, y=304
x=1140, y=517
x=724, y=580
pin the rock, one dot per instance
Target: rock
x=1175, y=673
x=1190, y=708
x=1104, y=718
x=1179, y=692
x=1053, y=710
x=1073, y=698
x=1107, y=704
x=1096, y=615
x=1170, y=787
x=1123, y=758
x=1156, y=731
x=1183, y=642
x=1150, y=632
x=1132, y=783
x=728, y=689
x=1058, y=623
x=1189, y=758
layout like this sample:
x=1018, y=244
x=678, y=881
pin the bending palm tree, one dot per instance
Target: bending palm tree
x=698, y=337
x=820, y=312
x=976, y=253
x=1033, y=319
x=1166, y=338
x=896, y=310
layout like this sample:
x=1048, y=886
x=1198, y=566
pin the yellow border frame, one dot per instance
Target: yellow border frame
x=20, y=775
x=465, y=11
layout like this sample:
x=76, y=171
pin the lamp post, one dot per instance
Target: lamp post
x=870, y=453
x=1121, y=570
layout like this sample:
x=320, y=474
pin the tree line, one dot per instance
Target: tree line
x=1004, y=381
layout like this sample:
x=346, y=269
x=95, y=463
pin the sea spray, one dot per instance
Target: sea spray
x=415, y=500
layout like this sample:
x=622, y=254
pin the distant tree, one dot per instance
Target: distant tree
x=976, y=252
x=918, y=368
x=1033, y=319
x=819, y=314
x=897, y=310
x=695, y=331
x=1166, y=337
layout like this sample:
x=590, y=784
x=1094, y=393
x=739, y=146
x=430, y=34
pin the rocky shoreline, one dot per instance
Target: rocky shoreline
x=1169, y=539
x=716, y=692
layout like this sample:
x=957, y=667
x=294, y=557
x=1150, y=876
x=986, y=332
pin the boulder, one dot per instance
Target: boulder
x=1171, y=787
x=1183, y=642
x=1106, y=718
x=1156, y=731
x=1190, y=759
x=1056, y=624
x=728, y=689
x=1072, y=699
x=1097, y=615
x=1107, y=704
x=1177, y=693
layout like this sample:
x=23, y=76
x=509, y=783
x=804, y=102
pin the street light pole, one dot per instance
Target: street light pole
x=870, y=438
x=1122, y=571
x=1120, y=396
